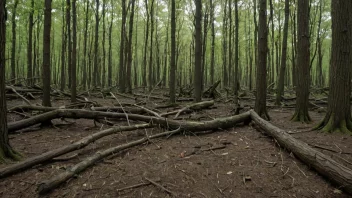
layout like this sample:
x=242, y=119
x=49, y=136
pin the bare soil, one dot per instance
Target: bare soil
x=248, y=163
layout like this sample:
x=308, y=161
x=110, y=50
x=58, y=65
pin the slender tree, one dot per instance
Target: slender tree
x=69, y=40
x=198, y=53
x=280, y=87
x=30, y=45
x=303, y=63
x=212, y=58
x=237, y=26
x=85, y=37
x=13, y=48
x=46, y=54
x=260, y=100
x=63, y=49
x=122, y=47
x=173, y=54
x=150, y=68
x=74, y=52
x=338, y=116
x=129, y=59
x=96, y=40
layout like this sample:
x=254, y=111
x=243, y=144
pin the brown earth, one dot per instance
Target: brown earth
x=248, y=163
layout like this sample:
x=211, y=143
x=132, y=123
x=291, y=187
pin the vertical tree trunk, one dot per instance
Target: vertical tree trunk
x=338, y=116
x=319, y=51
x=230, y=35
x=172, y=84
x=280, y=87
x=46, y=54
x=255, y=34
x=150, y=68
x=69, y=41
x=212, y=58
x=261, y=82
x=144, y=74
x=74, y=52
x=96, y=40
x=303, y=63
x=29, y=46
x=224, y=46
x=122, y=48
x=129, y=59
x=63, y=49
x=198, y=53
x=272, y=65
x=84, y=79
x=110, y=52
x=6, y=150
x=237, y=25
x=13, y=42
x=103, y=45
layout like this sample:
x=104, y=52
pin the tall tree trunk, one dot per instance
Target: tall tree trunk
x=6, y=150
x=84, y=79
x=272, y=58
x=110, y=52
x=338, y=116
x=129, y=59
x=230, y=35
x=303, y=63
x=122, y=48
x=198, y=53
x=74, y=52
x=144, y=74
x=13, y=42
x=172, y=84
x=63, y=49
x=29, y=46
x=103, y=45
x=261, y=82
x=150, y=68
x=255, y=34
x=212, y=58
x=237, y=25
x=69, y=41
x=224, y=46
x=46, y=54
x=319, y=44
x=280, y=87
x=96, y=40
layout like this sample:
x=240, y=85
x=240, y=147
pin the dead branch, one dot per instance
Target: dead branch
x=161, y=187
x=191, y=107
x=48, y=185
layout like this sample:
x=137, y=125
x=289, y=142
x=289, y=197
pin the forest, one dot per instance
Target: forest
x=175, y=98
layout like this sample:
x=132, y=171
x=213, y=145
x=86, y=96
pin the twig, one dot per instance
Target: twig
x=148, y=110
x=161, y=187
x=135, y=186
x=25, y=99
x=128, y=121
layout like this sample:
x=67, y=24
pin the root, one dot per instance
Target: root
x=301, y=116
x=344, y=126
x=8, y=154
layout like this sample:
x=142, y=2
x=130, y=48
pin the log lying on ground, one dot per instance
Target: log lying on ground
x=323, y=164
x=211, y=92
x=191, y=107
x=39, y=159
x=219, y=123
x=47, y=186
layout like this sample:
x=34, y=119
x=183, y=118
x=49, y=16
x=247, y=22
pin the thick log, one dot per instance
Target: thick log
x=30, y=162
x=323, y=164
x=47, y=186
x=220, y=123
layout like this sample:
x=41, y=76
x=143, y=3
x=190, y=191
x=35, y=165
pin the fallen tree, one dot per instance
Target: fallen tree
x=219, y=123
x=47, y=186
x=39, y=159
x=323, y=164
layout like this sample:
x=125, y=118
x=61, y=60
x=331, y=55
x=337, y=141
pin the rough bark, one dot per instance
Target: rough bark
x=74, y=53
x=303, y=63
x=261, y=81
x=96, y=40
x=46, y=74
x=150, y=65
x=122, y=60
x=129, y=59
x=29, y=46
x=13, y=42
x=198, y=53
x=172, y=84
x=323, y=164
x=338, y=116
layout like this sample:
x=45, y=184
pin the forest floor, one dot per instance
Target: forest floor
x=247, y=164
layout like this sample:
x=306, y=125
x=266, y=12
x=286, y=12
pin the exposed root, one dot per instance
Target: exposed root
x=301, y=116
x=7, y=154
x=328, y=125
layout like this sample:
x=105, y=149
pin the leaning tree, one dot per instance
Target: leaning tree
x=338, y=116
x=6, y=150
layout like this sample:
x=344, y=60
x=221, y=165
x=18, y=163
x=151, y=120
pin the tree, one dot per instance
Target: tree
x=69, y=44
x=30, y=43
x=46, y=54
x=122, y=47
x=173, y=54
x=129, y=47
x=236, y=79
x=303, y=63
x=74, y=52
x=198, y=53
x=13, y=48
x=6, y=150
x=150, y=68
x=260, y=100
x=338, y=116
x=95, y=73
x=280, y=86
x=63, y=49
x=212, y=58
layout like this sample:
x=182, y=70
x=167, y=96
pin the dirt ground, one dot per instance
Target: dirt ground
x=247, y=164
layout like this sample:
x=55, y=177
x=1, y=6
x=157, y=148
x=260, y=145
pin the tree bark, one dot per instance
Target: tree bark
x=13, y=42
x=129, y=59
x=198, y=53
x=29, y=46
x=96, y=40
x=122, y=48
x=150, y=68
x=172, y=84
x=303, y=63
x=46, y=54
x=338, y=116
x=69, y=42
x=74, y=53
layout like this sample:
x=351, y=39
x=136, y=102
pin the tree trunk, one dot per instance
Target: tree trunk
x=63, y=49
x=303, y=63
x=96, y=40
x=13, y=42
x=173, y=54
x=122, y=48
x=29, y=46
x=129, y=59
x=69, y=43
x=260, y=100
x=338, y=116
x=212, y=58
x=281, y=82
x=84, y=79
x=224, y=46
x=74, y=52
x=46, y=54
x=236, y=79
x=198, y=53
x=150, y=68
x=110, y=52
x=6, y=150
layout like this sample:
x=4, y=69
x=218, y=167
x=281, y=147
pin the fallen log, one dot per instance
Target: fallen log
x=30, y=162
x=220, y=123
x=48, y=185
x=211, y=92
x=323, y=164
x=192, y=107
